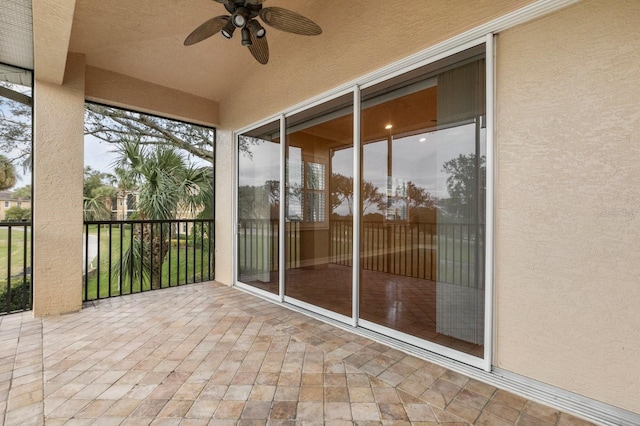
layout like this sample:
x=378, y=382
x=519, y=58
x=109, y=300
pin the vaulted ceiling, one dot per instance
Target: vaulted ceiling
x=142, y=40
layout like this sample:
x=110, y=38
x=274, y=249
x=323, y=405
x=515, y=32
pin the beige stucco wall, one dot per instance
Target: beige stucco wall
x=224, y=202
x=568, y=215
x=57, y=178
x=127, y=92
x=52, y=21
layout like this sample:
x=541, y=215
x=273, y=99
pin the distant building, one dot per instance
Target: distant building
x=8, y=199
x=123, y=205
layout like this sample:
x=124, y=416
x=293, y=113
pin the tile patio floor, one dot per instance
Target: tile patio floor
x=207, y=354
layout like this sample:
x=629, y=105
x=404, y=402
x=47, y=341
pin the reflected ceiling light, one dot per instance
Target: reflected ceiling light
x=388, y=126
x=228, y=29
x=423, y=139
x=246, y=37
x=257, y=29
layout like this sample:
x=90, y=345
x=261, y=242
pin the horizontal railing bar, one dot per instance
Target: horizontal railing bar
x=141, y=221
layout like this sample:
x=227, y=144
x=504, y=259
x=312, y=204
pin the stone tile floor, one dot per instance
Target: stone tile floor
x=207, y=354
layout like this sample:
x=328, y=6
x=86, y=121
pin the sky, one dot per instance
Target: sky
x=98, y=154
x=417, y=158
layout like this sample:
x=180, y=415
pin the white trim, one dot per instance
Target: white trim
x=319, y=100
x=394, y=70
x=489, y=230
x=561, y=399
x=257, y=291
x=422, y=344
x=343, y=319
x=282, y=208
x=257, y=124
x=357, y=204
x=234, y=211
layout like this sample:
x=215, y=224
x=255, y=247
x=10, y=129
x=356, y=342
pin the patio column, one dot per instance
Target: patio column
x=58, y=163
x=224, y=206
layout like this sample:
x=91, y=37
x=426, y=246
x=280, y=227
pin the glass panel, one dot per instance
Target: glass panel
x=319, y=206
x=258, y=207
x=423, y=189
x=315, y=176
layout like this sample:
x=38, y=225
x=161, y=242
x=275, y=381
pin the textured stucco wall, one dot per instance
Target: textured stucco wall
x=224, y=202
x=127, y=92
x=57, y=177
x=568, y=191
x=52, y=21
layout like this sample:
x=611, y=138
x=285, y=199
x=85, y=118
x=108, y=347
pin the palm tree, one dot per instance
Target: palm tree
x=167, y=184
x=7, y=173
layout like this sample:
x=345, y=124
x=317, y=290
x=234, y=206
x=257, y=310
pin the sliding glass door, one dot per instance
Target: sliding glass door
x=423, y=182
x=385, y=231
x=319, y=209
x=258, y=201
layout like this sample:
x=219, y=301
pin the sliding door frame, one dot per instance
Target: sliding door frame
x=429, y=56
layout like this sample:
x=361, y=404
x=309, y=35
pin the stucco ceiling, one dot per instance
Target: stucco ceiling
x=144, y=39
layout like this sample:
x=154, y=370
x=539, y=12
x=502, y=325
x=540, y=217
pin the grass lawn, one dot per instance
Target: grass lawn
x=14, y=256
x=180, y=265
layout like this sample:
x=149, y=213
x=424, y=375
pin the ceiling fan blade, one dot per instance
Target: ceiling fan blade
x=206, y=30
x=255, y=1
x=222, y=1
x=259, y=48
x=291, y=22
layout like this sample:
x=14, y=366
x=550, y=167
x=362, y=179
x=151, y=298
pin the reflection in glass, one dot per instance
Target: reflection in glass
x=423, y=186
x=319, y=188
x=258, y=207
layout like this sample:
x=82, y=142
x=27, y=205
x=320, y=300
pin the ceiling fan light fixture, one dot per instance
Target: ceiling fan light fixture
x=257, y=29
x=228, y=29
x=240, y=17
x=246, y=37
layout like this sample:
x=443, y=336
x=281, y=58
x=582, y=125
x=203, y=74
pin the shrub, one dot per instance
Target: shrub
x=20, y=297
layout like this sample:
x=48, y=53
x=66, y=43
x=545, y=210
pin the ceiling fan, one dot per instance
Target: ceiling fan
x=243, y=16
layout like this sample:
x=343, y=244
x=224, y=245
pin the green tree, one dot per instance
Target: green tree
x=23, y=192
x=98, y=192
x=114, y=124
x=17, y=214
x=15, y=125
x=466, y=185
x=7, y=173
x=342, y=192
x=167, y=185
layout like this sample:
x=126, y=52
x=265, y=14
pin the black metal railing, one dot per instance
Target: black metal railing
x=258, y=245
x=15, y=267
x=445, y=252
x=124, y=257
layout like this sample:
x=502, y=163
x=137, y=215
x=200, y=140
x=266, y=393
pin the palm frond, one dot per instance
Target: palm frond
x=134, y=265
